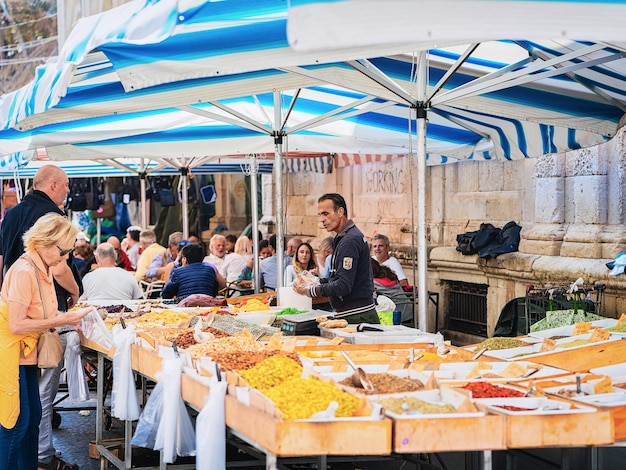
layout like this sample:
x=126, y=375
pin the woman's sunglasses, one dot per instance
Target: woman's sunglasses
x=63, y=252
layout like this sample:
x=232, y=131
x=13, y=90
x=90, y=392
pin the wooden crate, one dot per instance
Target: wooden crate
x=449, y=434
x=193, y=391
x=567, y=430
x=583, y=359
x=305, y=438
x=145, y=361
x=95, y=346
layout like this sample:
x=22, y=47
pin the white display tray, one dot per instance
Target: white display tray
x=536, y=406
x=569, y=329
x=534, y=350
x=391, y=334
x=454, y=371
x=437, y=397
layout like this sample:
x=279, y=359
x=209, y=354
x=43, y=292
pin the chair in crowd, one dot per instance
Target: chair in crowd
x=151, y=289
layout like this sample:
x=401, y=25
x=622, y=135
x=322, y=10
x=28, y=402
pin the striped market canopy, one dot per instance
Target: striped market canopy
x=201, y=79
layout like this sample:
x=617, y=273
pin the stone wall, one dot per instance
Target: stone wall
x=570, y=207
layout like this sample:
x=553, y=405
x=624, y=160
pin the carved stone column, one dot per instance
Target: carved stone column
x=545, y=236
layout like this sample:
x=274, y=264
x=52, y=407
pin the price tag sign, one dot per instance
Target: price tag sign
x=548, y=345
x=599, y=335
x=289, y=345
x=513, y=370
x=603, y=386
x=581, y=328
x=476, y=371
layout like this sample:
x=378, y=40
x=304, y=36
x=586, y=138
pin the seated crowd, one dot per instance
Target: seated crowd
x=182, y=269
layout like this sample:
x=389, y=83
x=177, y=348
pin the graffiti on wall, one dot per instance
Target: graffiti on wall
x=384, y=180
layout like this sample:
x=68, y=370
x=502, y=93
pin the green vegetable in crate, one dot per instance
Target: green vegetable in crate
x=299, y=398
x=493, y=344
x=271, y=372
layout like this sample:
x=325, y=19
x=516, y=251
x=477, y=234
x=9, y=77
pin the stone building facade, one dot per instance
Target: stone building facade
x=570, y=207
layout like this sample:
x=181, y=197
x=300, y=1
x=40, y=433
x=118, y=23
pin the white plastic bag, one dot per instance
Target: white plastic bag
x=76, y=381
x=124, y=402
x=175, y=435
x=94, y=329
x=145, y=433
x=384, y=304
x=211, y=431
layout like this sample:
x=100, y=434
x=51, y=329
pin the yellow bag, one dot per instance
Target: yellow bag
x=10, y=346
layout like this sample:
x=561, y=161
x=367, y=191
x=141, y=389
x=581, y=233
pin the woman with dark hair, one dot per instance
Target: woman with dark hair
x=304, y=260
x=193, y=277
x=386, y=283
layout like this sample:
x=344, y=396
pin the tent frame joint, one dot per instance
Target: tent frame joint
x=421, y=109
x=278, y=137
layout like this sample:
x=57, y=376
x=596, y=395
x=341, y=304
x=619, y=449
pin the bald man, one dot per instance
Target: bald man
x=109, y=282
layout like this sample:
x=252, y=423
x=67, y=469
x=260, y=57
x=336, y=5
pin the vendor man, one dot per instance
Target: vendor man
x=349, y=286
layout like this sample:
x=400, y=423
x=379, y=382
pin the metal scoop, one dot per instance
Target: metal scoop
x=359, y=378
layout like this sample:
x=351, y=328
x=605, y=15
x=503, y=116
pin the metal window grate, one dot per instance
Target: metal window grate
x=467, y=308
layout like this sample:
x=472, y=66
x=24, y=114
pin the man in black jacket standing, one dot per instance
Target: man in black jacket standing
x=50, y=189
x=350, y=286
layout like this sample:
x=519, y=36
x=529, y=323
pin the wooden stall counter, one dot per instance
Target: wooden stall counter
x=449, y=434
x=298, y=438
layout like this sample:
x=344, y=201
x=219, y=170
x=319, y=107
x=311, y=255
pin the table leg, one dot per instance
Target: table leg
x=128, y=450
x=271, y=462
x=100, y=398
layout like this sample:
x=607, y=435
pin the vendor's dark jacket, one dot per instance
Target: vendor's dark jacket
x=195, y=278
x=349, y=287
x=17, y=221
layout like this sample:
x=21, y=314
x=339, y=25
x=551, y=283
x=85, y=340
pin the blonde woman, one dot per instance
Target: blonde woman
x=237, y=260
x=303, y=260
x=27, y=296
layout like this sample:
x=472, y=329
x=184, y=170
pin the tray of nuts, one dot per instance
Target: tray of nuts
x=444, y=402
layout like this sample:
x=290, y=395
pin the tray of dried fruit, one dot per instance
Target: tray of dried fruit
x=568, y=330
x=537, y=420
x=592, y=389
x=538, y=349
x=279, y=386
x=441, y=419
x=530, y=406
x=494, y=371
x=441, y=402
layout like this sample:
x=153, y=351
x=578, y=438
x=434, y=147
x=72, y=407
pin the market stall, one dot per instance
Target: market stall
x=510, y=393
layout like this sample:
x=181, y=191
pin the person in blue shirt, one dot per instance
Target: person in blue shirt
x=267, y=268
x=193, y=277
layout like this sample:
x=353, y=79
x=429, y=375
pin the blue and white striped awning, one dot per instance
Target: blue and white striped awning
x=133, y=167
x=197, y=79
x=351, y=26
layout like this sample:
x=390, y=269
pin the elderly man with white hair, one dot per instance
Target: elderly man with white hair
x=217, y=255
x=108, y=281
x=380, y=252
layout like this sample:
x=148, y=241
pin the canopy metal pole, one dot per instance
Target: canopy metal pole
x=184, y=175
x=278, y=175
x=254, y=202
x=142, y=193
x=422, y=261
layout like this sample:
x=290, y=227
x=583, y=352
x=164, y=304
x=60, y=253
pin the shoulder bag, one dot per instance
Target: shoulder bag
x=49, y=345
